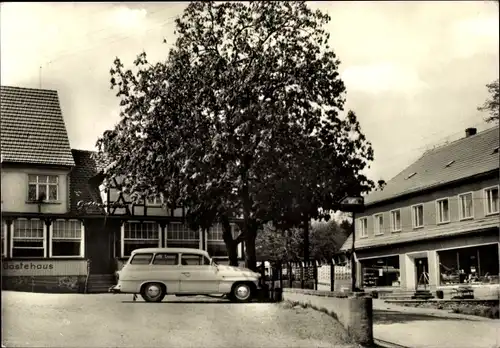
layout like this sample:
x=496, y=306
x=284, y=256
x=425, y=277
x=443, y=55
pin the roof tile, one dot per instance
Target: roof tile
x=472, y=155
x=32, y=127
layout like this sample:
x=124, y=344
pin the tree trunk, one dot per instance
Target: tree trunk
x=231, y=244
x=250, y=254
x=306, y=238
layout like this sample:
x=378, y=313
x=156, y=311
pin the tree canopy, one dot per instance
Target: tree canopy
x=244, y=118
x=491, y=105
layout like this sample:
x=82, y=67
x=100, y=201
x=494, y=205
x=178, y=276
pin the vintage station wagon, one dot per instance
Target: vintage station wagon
x=156, y=272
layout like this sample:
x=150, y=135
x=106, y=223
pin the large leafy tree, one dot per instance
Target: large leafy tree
x=328, y=237
x=491, y=105
x=277, y=245
x=243, y=118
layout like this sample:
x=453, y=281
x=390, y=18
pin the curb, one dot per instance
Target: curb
x=444, y=315
x=386, y=344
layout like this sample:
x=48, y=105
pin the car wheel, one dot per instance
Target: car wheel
x=153, y=292
x=242, y=292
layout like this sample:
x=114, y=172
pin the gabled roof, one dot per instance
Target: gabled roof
x=32, y=127
x=81, y=188
x=457, y=160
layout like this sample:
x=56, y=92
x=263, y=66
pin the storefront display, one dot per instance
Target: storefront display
x=381, y=272
x=472, y=265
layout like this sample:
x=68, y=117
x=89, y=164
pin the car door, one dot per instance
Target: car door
x=165, y=268
x=197, y=275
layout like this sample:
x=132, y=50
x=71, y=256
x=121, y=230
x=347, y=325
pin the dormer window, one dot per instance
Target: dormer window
x=495, y=150
x=449, y=163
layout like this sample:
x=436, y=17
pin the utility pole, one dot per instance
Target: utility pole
x=353, y=261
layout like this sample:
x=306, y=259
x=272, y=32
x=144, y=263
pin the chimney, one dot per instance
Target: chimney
x=470, y=131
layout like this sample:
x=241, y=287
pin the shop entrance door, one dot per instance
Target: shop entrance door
x=422, y=272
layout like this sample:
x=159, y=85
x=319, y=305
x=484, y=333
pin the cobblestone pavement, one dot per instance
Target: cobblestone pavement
x=103, y=320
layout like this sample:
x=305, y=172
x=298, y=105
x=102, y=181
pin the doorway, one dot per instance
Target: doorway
x=422, y=272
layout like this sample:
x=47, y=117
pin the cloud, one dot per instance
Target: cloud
x=382, y=77
x=127, y=18
x=473, y=35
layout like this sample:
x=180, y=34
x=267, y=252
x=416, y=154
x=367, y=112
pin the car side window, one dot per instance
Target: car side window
x=194, y=260
x=141, y=259
x=168, y=259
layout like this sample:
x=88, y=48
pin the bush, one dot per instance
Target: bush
x=492, y=312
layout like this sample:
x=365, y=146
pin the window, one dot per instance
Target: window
x=215, y=240
x=215, y=233
x=141, y=259
x=166, y=259
x=194, y=260
x=158, y=200
x=363, y=227
x=491, y=195
x=396, y=220
x=46, y=185
x=418, y=215
x=473, y=265
x=137, y=235
x=181, y=236
x=378, y=224
x=67, y=238
x=381, y=272
x=465, y=208
x=28, y=238
x=443, y=211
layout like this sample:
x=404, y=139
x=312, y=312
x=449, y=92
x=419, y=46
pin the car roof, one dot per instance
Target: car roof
x=170, y=250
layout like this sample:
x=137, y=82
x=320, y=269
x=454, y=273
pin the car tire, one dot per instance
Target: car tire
x=153, y=292
x=241, y=293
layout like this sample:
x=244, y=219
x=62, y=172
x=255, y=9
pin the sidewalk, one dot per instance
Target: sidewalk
x=423, y=327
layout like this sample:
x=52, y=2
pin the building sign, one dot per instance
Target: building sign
x=352, y=204
x=44, y=268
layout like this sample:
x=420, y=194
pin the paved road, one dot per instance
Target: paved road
x=73, y=320
x=401, y=326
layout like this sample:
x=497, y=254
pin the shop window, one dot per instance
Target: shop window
x=491, y=204
x=46, y=185
x=381, y=272
x=465, y=208
x=417, y=212
x=181, y=232
x=378, y=224
x=28, y=238
x=193, y=244
x=215, y=233
x=396, y=220
x=138, y=235
x=469, y=265
x=67, y=238
x=363, y=227
x=443, y=210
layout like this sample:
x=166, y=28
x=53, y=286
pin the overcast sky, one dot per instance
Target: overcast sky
x=415, y=71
